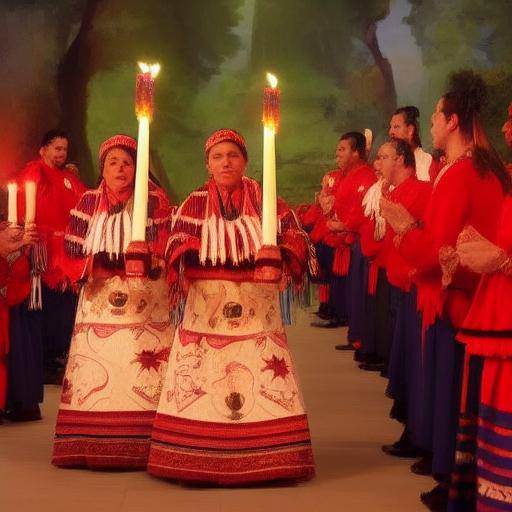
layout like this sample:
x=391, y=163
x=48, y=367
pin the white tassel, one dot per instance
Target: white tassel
x=230, y=229
x=99, y=233
x=245, y=241
x=127, y=230
x=117, y=235
x=204, y=242
x=109, y=235
x=36, y=297
x=222, y=241
x=253, y=231
x=212, y=246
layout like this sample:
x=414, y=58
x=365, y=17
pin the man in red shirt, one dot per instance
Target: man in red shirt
x=358, y=177
x=37, y=334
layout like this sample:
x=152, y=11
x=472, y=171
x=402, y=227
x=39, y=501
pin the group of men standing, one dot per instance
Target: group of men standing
x=392, y=242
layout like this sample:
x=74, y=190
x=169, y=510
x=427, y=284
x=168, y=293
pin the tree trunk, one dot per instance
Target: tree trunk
x=385, y=67
x=73, y=77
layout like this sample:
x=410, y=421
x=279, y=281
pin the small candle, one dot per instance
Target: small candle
x=12, y=211
x=30, y=202
x=270, y=127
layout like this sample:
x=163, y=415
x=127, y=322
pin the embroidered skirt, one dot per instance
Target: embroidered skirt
x=231, y=411
x=117, y=360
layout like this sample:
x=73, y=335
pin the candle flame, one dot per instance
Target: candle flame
x=272, y=80
x=153, y=69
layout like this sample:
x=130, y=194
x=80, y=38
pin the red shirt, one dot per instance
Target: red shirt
x=491, y=309
x=349, y=197
x=58, y=192
x=460, y=197
x=414, y=196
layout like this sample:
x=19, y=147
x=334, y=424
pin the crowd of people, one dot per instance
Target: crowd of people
x=186, y=371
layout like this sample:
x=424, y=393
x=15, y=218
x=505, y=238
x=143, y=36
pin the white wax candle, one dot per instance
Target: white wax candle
x=140, y=200
x=269, y=207
x=30, y=202
x=12, y=211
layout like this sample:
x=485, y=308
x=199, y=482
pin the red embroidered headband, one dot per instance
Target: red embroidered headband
x=225, y=135
x=117, y=141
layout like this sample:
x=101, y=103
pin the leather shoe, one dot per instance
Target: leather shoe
x=345, y=346
x=402, y=451
x=423, y=466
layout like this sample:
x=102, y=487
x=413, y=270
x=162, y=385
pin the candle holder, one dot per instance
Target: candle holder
x=137, y=259
x=268, y=265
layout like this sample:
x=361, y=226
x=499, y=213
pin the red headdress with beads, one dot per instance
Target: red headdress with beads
x=225, y=135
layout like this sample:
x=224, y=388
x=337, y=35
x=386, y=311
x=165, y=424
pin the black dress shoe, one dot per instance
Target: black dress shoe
x=436, y=499
x=402, y=451
x=371, y=367
x=358, y=356
x=345, y=346
x=423, y=466
x=19, y=414
x=326, y=324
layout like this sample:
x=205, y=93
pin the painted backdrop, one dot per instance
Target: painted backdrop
x=342, y=65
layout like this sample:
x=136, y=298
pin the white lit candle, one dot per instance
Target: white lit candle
x=30, y=202
x=12, y=205
x=270, y=127
x=144, y=110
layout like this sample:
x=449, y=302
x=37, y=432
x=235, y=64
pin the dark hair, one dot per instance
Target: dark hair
x=357, y=142
x=49, y=137
x=411, y=115
x=133, y=154
x=403, y=148
x=466, y=97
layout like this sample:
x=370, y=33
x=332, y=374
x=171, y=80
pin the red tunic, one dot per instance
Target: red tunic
x=349, y=196
x=58, y=191
x=414, y=196
x=490, y=316
x=460, y=197
x=316, y=218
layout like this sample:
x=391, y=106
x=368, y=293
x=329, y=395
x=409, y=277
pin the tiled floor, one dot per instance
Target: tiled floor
x=349, y=421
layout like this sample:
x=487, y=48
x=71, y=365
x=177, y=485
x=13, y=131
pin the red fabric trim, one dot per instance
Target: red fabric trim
x=373, y=274
x=341, y=262
x=219, y=341
x=101, y=453
x=221, y=273
x=323, y=293
x=296, y=464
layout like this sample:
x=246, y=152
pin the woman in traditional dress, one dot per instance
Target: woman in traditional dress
x=231, y=411
x=123, y=332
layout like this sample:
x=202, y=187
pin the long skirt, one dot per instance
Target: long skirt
x=356, y=293
x=25, y=386
x=405, y=364
x=58, y=318
x=446, y=389
x=117, y=360
x=483, y=477
x=231, y=411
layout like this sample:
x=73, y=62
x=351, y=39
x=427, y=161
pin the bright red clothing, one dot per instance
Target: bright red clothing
x=414, y=195
x=490, y=316
x=460, y=197
x=58, y=191
x=349, y=196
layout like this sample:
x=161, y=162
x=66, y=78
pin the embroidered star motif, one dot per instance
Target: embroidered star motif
x=149, y=359
x=277, y=365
